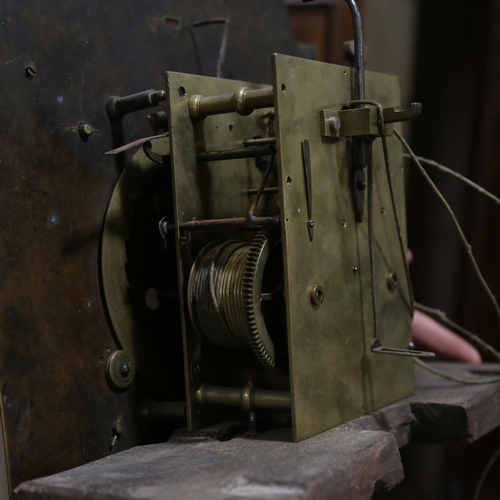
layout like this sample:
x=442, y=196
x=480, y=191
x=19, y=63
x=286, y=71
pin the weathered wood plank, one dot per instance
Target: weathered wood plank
x=449, y=412
x=351, y=461
x=192, y=468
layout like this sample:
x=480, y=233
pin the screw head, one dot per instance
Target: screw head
x=310, y=222
x=411, y=345
x=124, y=369
x=392, y=281
x=120, y=369
x=31, y=70
x=336, y=123
x=361, y=185
x=118, y=428
x=85, y=129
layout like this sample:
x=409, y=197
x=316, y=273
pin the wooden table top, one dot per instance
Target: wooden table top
x=353, y=460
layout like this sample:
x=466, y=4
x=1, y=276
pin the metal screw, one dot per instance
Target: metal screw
x=343, y=223
x=120, y=369
x=124, y=369
x=31, y=70
x=310, y=222
x=85, y=130
x=118, y=429
x=354, y=269
x=336, y=122
x=361, y=185
x=411, y=345
x=117, y=432
x=392, y=281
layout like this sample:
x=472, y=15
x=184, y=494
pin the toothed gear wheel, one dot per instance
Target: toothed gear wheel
x=260, y=341
x=235, y=298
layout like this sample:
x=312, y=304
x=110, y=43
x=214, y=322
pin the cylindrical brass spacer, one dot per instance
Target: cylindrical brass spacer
x=242, y=101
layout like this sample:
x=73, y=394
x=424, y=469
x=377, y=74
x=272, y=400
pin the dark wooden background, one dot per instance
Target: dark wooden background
x=55, y=335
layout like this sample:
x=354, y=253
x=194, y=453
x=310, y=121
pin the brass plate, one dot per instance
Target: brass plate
x=208, y=191
x=334, y=376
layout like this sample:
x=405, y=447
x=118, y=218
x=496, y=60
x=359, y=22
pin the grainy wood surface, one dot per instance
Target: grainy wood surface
x=351, y=461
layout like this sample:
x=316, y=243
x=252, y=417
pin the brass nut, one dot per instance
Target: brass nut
x=120, y=369
x=317, y=295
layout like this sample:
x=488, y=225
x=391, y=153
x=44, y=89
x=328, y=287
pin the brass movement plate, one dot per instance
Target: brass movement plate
x=334, y=375
x=208, y=191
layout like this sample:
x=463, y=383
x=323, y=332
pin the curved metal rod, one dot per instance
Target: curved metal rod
x=358, y=84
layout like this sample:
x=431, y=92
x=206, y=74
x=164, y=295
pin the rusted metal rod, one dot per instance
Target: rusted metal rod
x=259, y=141
x=118, y=107
x=255, y=202
x=234, y=154
x=244, y=101
x=233, y=223
x=358, y=84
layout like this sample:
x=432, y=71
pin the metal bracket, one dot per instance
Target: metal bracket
x=378, y=348
x=396, y=114
x=349, y=122
x=364, y=121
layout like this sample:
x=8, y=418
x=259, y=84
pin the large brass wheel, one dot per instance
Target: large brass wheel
x=135, y=265
x=235, y=298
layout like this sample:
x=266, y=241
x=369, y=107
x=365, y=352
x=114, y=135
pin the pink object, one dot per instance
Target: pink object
x=432, y=336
